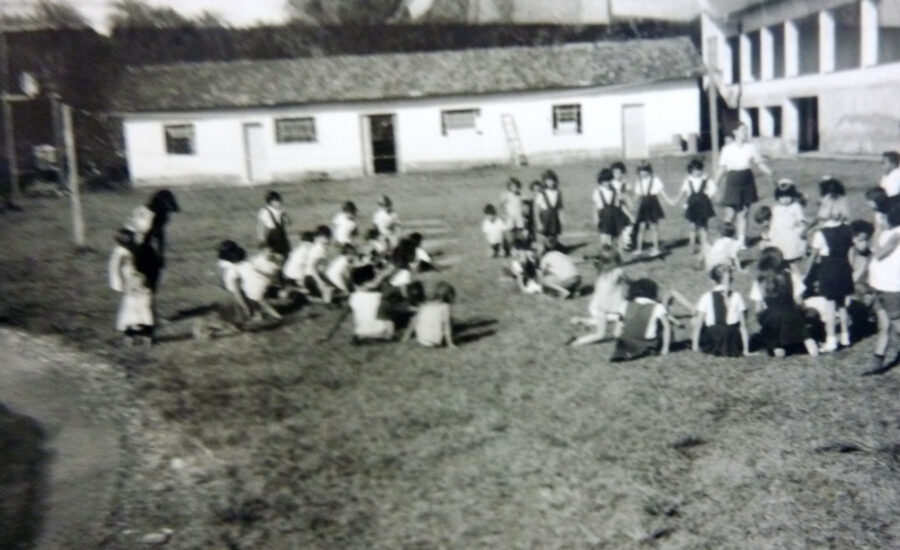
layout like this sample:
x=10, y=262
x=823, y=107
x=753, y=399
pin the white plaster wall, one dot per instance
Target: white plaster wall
x=340, y=150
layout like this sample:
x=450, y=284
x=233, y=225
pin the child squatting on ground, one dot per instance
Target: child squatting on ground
x=432, y=324
x=719, y=325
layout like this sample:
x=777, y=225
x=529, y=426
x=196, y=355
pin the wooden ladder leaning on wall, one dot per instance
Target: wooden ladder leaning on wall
x=512, y=138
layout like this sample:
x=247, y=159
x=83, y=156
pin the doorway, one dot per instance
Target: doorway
x=808, y=123
x=634, y=132
x=384, y=147
x=255, y=162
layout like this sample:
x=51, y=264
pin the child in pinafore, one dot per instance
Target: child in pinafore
x=643, y=327
x=609, y=216
x=432, y=323
x=783, y=324
x=135, y=316
x=548, y=207
x=271, y=225
x=647, y=189
x=699, y=190
x=788, y=224
x=832, y=246
x=719, y=325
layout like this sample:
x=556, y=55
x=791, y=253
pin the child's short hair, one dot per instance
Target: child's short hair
x=230, y=251
x=717, y=273
x=645, y=166
x=695, y=164
x=878, y=196
x=513, y=182
x=307, y=236
x=490, y=210
x=444, y=292
x=786, y=188
x=893, y=213
x=607, y=258
x=776, y=285
x=362, y=275
x=536, y=184
x=618, y=165
x=385, y=201
x=862, y=227
x=522, y=244
x=642, y=288
x=323, y=231
x=347, y=249
x=349, y=207
x=605, y=174
x=415, y=293
x=163, y=201
x=763, y=215
x=272, y=196
x=770, y=259
x=728, y=230
x=124, y=236
x=550, y=175
x=833, y=207
x=402, y=256
x=415, y=238
x=830, y=187
x=892, y=157
x=372, y=234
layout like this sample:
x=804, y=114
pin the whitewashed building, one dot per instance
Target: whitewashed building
x=819, y=75
x=250, y=122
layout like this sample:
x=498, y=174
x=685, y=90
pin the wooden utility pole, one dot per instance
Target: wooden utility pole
x=712, y=90
x=9, y=136
x=72, y=173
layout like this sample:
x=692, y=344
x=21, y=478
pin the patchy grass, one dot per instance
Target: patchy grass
x=270, y=440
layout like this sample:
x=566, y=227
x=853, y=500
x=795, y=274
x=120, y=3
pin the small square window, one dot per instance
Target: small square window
x=567, y=119
x=295, y=130
x=459, y=119
x=179, y=139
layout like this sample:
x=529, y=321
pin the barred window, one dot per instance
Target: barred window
x=179, y=139
x=460, y=119
x=295, y=130
x=567, y=119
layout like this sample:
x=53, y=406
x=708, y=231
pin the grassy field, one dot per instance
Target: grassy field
x=271, y=440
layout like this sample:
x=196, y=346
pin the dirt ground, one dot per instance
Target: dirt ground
x=274, y=440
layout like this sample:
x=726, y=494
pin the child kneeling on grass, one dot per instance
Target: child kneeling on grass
x=719, y=324
x=248, y=281
x=432, y=324
x=608, y=296
x=643, y=328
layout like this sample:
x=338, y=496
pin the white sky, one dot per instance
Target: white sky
x=248, y=12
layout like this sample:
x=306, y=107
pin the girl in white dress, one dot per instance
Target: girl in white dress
x=788, y=224
x=135, y=316
x=607, y=299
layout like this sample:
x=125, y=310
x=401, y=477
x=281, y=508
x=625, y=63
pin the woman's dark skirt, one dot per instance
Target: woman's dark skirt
x=740, y=189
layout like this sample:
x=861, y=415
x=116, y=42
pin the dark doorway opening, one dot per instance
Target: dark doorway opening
x=808, y=123
x=384, y=147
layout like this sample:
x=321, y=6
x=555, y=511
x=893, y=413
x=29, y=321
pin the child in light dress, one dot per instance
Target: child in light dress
x=513, y=209
x=883, y=270
x=558, y=273
x=763, y=218
x=832, y=246
x=386, y=220
x=316, y=262
x=643, y=326
x=606, y=302
x=788, y=225
x=723, y=250
x=135, y=316
x=343, y=225
x=432, y=324
x=338, y=271
x=248, y=280
x=698, y=190
x=295, y=266
x=720, y=326
x=494, y=230
x=365, y=303
x=647, y=190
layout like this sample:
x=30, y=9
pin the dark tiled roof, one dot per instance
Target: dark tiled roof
x=237, y=84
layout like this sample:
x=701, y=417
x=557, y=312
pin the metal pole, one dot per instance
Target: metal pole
x=712, y=89
x=72, y=170
x=9, y=136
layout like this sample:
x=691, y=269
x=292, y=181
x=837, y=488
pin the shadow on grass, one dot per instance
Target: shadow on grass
x=472, y=330
x=568, y=249
x=23, y=462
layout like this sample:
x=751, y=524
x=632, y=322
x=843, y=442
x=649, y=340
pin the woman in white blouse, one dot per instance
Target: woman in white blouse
x=740, y=186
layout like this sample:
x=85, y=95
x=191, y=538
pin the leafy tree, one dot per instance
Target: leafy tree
x=332, y=12
x=137, y=14
x=48, y=14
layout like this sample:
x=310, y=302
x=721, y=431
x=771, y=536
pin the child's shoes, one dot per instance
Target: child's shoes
x=830, y=345
x=845, y=339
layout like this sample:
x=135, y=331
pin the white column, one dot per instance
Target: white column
x=826, y=41
x=746, y=56
x=767, y=54
x=869, y=32
x=791, y=49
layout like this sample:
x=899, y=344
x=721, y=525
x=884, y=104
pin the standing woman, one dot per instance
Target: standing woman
x=548, y=205
x=740, y=187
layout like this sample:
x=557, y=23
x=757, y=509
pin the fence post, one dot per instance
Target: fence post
x=72, y=172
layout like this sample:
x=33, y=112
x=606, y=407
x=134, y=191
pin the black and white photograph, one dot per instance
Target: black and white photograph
x=449, y=274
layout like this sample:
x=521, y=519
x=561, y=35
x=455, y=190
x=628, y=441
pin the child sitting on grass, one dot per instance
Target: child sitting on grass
x=248, y=281
x=338, y=271
x=344, y=224
x=720, y=327
x=295, y=267
x=494, y=230
x=432, y=323
x=313, y=276
x=723, y=250
x=607, y=299
x=365, y=303
x=643, y=327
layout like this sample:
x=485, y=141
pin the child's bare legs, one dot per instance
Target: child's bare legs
x=740, y=226
x=811, y=348
x=829, y=320
x=654, y=235
x=845, y=331
x=639, y=242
